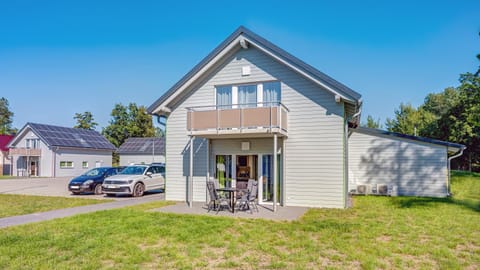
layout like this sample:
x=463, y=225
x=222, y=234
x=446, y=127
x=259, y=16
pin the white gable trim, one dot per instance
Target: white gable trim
x=298, y=70
x=197, y=75
x=225, y=51
x=22, y=134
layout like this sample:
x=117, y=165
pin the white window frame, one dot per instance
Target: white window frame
x=234, y=88
x=85, y=164
x=66, y=164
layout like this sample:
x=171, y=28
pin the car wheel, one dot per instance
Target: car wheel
x=98, y=189
x=138, y=190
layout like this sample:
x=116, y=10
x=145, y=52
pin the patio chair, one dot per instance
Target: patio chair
x=243, y=192
x=249, y=199
x=215, y=199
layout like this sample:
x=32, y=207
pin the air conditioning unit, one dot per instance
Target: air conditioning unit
x=364, y=189
x=382, y=189
x=392, y=190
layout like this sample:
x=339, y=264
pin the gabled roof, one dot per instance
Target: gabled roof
x=259, y=42
x=374, y=131
x=66, y=137
x=4, y=140
x=143, y=146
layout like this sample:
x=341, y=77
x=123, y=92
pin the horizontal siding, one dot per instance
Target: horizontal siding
x=416, y=168
x=78, y=156
x=314, y=148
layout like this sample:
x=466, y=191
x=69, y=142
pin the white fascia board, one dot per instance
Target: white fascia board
x=19, y=135
x=299, y=71
x=197, y=75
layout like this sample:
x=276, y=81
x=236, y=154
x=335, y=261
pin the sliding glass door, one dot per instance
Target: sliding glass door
x=223, y=171
x=267, y=177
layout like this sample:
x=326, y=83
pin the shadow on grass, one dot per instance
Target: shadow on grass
x=413, y=202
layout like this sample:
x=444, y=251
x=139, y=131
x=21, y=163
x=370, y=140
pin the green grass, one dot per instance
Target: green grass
x=377, y=233
x=7, y=177
x=13, y=205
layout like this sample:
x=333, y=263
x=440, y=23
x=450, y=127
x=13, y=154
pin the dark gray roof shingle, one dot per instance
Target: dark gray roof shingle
x=142, y=146
x=70, y=137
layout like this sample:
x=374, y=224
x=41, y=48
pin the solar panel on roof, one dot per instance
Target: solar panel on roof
x=71, y=137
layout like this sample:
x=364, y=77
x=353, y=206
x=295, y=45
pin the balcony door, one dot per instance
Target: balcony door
x=247, y=95
x=224, y=97
x=223, y=170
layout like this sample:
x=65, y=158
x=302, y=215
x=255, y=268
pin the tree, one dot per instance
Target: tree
x=409, y=120
x=439, y=105
x=452, y=115
x=462, y=122
x=6, y=118
x=128, y=121
x=371, y=123
x=85, y=121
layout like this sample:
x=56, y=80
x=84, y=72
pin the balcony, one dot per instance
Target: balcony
x=237, y=119
x=25, y=152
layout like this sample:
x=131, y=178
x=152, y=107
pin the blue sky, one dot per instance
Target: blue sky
x=62, y=57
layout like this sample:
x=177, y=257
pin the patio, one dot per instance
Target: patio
x=289, y=213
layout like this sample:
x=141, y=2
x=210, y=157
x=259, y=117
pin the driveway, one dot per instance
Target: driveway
x=55, y=187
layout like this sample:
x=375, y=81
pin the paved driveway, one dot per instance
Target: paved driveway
x=54, y=187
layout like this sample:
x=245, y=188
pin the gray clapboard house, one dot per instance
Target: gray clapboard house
x=250, y=110
x=141, y=151
x=54, y=151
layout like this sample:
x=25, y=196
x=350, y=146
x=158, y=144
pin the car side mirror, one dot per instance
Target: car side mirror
x=149, y=174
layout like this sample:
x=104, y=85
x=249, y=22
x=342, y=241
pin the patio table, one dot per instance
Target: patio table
x=231, y=191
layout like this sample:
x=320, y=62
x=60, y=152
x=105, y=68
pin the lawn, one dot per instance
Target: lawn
x=13, y=205
x=379, y=232
x=5, y=177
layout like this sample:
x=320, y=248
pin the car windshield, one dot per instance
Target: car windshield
x=95, y=172
x=133, y=170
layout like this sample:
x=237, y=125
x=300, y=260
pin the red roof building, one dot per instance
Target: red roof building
x=4, y=140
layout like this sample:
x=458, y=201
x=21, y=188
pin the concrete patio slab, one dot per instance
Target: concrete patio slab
x=288, y=213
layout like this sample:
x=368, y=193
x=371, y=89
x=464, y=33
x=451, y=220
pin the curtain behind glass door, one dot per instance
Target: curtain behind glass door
x=224, y=97
x=247, y=95
x=271, y=93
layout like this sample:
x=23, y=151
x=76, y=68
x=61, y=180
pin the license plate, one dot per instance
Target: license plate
x=111, y=186
x=74, y=187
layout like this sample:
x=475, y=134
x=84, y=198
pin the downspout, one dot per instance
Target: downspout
x=449, y=176
x=54, y=170
x=164, y=146
x=346, y=169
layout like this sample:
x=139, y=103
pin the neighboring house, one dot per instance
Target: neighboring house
x=5, y=162
x=250, y=110
x=53, y=151
x=141, y=151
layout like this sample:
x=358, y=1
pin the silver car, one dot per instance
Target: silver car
x=135, y=180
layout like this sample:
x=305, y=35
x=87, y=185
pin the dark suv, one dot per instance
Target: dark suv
x=92, y=180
